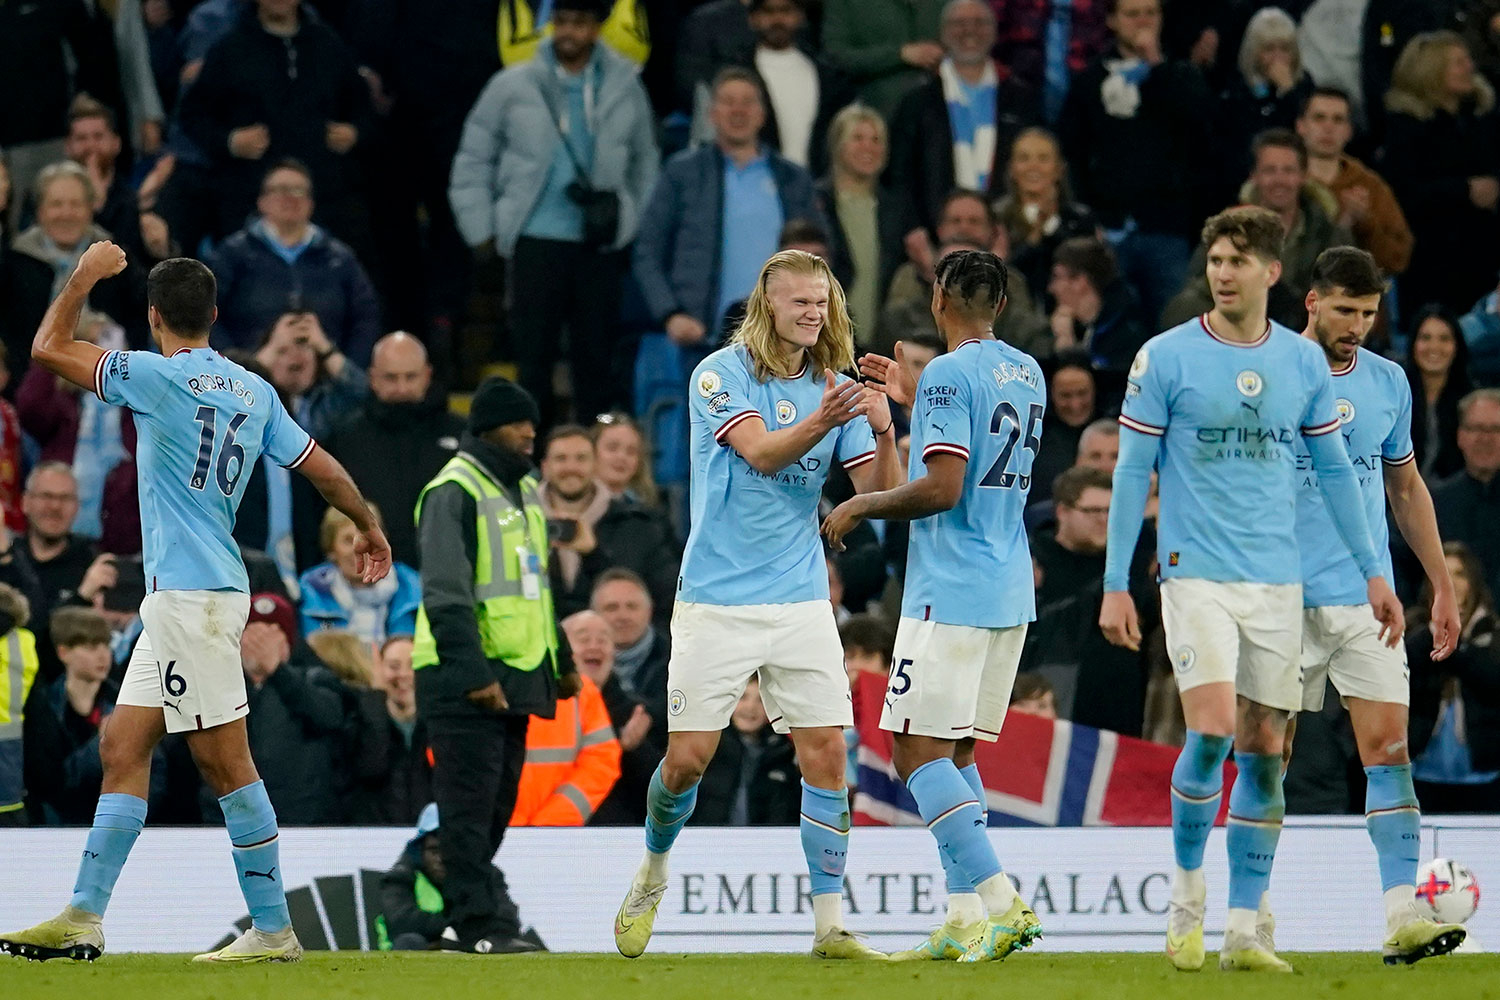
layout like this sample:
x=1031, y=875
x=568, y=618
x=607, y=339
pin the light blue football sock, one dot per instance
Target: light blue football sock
x=1197, y=781
x=958, y=882
x=251, y=823
x=825, y=836
x=1256, y=808
x=1395, y=823
x=666, y=813
x=118, y=821
x=949, y=806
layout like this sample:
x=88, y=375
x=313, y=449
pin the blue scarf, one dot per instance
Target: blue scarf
x=971, y=119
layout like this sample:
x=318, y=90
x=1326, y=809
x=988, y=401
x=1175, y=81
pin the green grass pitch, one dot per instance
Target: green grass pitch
x=353, y=976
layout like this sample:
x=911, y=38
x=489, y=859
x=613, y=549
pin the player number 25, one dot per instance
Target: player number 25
x=1004, y=414
x=231, y=455
x=900, y=677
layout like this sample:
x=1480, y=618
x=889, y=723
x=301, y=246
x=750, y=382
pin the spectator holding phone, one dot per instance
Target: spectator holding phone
x=591, y=530
x=317, y=382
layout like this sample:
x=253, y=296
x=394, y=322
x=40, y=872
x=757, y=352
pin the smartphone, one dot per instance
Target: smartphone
x=562, y=529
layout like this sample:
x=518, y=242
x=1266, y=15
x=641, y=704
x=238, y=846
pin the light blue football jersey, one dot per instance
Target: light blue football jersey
x=1373, y=401
x=201, y=422
x=1231, y=418
x=971, y=565
x=754, y=538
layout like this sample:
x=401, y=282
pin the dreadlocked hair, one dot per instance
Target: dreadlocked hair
x=976, y=279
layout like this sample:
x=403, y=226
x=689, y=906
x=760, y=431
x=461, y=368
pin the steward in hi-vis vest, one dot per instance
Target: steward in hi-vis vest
x=486, y=652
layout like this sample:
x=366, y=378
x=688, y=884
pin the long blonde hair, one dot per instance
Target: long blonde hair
x=1417, y=81
x=835, y=347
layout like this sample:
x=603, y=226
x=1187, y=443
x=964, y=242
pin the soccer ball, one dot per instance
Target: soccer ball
x=1448, y=890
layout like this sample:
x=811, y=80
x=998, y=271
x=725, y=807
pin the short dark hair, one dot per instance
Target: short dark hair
x=1350, y=268
x=562, y=432
x=1089, y=256
x=1073, y=357
x=729, y=74
x=84, y=106
x=288, y=163
x=966, y=194
x=928, y=339
x=1030, y=685
x=618, y=573
x=869, y=634
x=1068, y=487
x=1279, y=138
x=1336, y=93
x=183, y=290
x=976, y=278
x=78, y=626
x=802, y=231
x=1250, y=228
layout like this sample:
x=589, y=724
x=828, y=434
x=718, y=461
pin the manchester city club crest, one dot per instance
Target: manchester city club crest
x=1184, y=658
x=1138, y=366
x=1345, y=410
x=708, y=383
x=1249, y=383
x=786, y=411
x=676, y=702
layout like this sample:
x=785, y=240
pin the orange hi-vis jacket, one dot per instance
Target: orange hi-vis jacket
x=572, y=762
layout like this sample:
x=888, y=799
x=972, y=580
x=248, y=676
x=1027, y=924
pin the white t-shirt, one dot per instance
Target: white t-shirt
x=792, y=80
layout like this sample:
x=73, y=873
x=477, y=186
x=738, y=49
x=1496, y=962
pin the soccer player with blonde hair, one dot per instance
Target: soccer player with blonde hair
x=770, y=416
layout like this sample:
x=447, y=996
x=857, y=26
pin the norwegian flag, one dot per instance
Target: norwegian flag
x=1040, y=772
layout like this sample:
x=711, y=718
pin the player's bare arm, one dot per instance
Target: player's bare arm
x=54, y=347
x=768, y=452
x=1118, y=618
x=933, y=493
x=1411, y=505
x=884, y=472
x=336, y=486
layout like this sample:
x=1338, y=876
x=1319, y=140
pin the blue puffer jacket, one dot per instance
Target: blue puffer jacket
x=256, y=287
x=677, y=248
x=322, y=608
x=510, y=138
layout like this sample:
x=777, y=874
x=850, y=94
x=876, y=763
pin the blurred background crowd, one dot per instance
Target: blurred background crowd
x=399, y=197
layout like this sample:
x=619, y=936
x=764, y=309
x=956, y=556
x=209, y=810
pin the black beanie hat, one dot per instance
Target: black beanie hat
x=599, y=8
x=499, y=401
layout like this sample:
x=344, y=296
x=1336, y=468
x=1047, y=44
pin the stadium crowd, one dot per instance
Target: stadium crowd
x=393, y=204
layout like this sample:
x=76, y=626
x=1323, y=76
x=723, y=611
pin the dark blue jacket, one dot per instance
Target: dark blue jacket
x=256, y=287
x=677, y=245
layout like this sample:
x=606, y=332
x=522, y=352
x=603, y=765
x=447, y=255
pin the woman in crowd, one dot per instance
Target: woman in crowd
x=39, y=261
x=1038, y=211
x=1267, y=92
x=1455, y=703
x=335, y=596
x=866, y=220
x=1072, y=404
x=623, y=459
x=1442, y=159
x=1437, y=366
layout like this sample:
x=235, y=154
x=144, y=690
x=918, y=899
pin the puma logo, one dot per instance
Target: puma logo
x=173, y=705
x=270, y=875
x=1255, y=409
x=940, y=428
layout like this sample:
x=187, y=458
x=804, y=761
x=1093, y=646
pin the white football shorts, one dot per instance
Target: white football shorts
x=1245, y=634
x=187, y=660
x=951, y=681
x=717, y=648
x=1342, y=643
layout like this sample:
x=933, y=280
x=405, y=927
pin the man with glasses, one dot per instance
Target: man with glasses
x=68, y=566
x=282, y=262
x=1468, y=503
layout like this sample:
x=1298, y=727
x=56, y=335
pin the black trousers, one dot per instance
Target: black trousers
x=557, y=284
x=476, y=770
